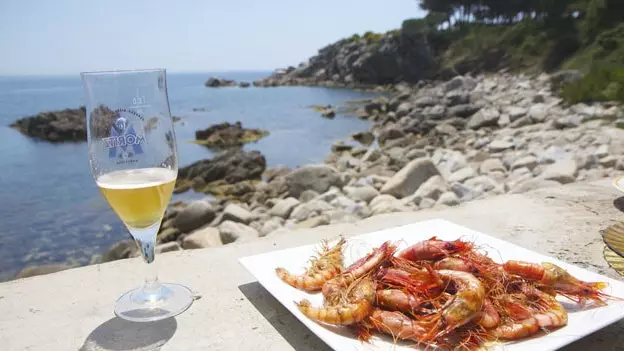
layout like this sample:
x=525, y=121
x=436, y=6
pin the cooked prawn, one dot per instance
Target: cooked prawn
x=345, y=314
x=433, y=249
x=467, y=302
x=398, y=300
x=455, y=264
x=397, y=324
x=490, y=317
x=327, y=265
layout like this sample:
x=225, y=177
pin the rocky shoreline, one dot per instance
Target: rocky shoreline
x=55, y=126
x=431, y=145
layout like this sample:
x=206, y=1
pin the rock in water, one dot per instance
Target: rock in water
x=365, y=138
x=41, y=270
x=55, y=126
x=225, y=135
x=215, y=82
x=232, y=231
x=315, y=177
x=410, y=178
x=194, y=216
x=202, y=238
x=232, y=166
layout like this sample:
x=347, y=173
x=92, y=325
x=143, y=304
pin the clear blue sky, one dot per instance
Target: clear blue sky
x=69, y=36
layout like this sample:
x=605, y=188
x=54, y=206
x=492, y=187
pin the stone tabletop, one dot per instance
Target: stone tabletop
x=73, y=309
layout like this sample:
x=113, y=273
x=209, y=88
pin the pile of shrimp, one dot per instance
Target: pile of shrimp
x=442, y=294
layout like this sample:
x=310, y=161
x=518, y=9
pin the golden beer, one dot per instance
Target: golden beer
x=138, y=196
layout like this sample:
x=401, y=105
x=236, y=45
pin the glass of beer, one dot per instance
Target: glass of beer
x=133, y=159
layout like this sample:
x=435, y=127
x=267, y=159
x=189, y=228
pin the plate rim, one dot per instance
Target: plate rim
x=570, y=339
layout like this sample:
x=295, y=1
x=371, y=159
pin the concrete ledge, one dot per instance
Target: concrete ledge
x=72, y=309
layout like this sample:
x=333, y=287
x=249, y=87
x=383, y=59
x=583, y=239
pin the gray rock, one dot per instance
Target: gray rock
x=232, y=231
x=533, y=184
x=608, y=161
x=565, y=77
x=410, y=177
x=362, y=193
x=435, y=112
x=283, y=208
x=563, y=171
x=465, y=193
x=460, y=82
x=201, y=238
x=584, y=161
x=308, y=195
x=42, y=270
x=602, y=151
x=482, y=183
x=538, y=112
x=403, y=109
x=461, y=175
x=454, y=98
x=390, y=133
x=365, y=138
x=491, y=165
x=426, y=101
x=309, y=209
x=329, y=195
x=464, y=110
x=236, y=213
x=500, y=145
x=486, y=117
x=382, y=198
x=448, y=198
x=194, y=216
x=445, y=129
x=504, y=120
x=529, y=162
x=415, y=153
x=568, y=122
x=371, y=155
x=427, y=203
x=344, y=203
x=313, y=222
x=619, y=165
x=515, y=112
x=432, y=188
x=271, y=225
x=521, y=122
x=386, y=207
x=167, y=247
x=316, y=177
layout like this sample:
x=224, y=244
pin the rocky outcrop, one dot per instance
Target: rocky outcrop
x=216, y=82
x=374, y=59
x=225, y=135
x=55, y=126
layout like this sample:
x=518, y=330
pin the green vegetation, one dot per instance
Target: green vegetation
x=600, y=84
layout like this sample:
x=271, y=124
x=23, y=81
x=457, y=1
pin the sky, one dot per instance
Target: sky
x=56, y=37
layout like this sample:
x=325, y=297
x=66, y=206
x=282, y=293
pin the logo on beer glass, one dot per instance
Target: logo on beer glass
x=124, y=142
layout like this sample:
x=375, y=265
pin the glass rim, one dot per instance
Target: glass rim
x=123, y=71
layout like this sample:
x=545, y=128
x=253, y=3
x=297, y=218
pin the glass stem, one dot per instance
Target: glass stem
x=146, y=240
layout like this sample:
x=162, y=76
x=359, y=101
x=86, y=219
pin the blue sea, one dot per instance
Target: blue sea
x=50, y=208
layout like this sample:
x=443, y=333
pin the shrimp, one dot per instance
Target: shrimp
x=455, y=264
x=333, y=287
x=558, y=279
x=354, y=306
x=433, y=249
x=490, y=318
x=551, y=315
x=326, y=266
x=397, y=324
x=414, y=281
x=398, y=300
x=345, y=314
x=467, y=302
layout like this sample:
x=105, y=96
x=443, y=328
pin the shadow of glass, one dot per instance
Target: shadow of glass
x=117, y=334
x=619, y=203
x=289, y=327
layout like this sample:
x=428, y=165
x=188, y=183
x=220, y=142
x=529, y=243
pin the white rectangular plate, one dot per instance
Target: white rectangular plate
x=580, y=322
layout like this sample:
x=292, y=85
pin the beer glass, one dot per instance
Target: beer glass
x=133, y=159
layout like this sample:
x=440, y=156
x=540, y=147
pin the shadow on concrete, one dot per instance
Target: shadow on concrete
x=619, y=203
x=117, y=334
x=289, y=327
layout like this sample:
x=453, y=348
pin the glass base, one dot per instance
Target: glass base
x=149, y=304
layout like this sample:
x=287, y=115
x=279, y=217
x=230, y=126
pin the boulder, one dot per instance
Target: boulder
x=194, y=216
x=529, y=162
x=460, y=83
x=563, y=171
x=41, y=270
x=465, y=193
x=382, y=198
x=315, y=177
x=232, y=231
x=308, y=195
x=491, y=165
x=426, y=101
x=313, y=222
x=410, y=178
x=120, y=250
x=448, y=198
x=340, y=147
x=391, y=133
x=482, y=183
x=500, y=145
x=486, y=117
x=236, y=213
x=365, y=138
x=538, y=112
x=461, y=175
x=362, y=193
x=167, y=247
x=463, y=110
x=284, y=207
x=202, y=238
x=231, y=166
x=533, y=184
x=432, y=188
x=306, y=210
x=216, y=82
x=454, y=98
x=227, y=135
